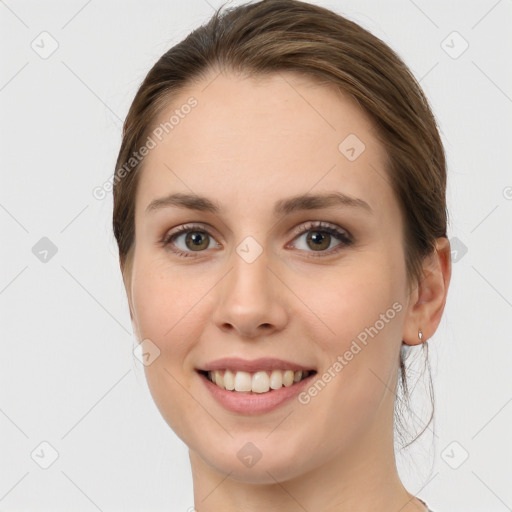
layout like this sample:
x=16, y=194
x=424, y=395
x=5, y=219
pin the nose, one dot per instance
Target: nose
x=250, y=299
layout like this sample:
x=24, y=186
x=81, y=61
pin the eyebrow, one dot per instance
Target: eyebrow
x=281, y=207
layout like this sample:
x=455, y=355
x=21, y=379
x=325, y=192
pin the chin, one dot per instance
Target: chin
x=259, y=462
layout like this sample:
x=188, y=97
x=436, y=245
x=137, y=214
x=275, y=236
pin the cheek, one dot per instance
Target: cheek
x=353, y=300
x=167, y=304
x=360, y=332
x=168, y=312
x=364, y=314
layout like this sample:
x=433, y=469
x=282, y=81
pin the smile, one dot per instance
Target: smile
x=257, y=382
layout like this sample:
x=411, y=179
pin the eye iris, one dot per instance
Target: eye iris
x=318, y=238
x=195, y=237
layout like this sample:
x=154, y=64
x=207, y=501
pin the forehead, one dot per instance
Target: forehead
x=249, y=140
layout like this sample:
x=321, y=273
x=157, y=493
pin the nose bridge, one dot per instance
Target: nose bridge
x=248, y=297
x=248, y=282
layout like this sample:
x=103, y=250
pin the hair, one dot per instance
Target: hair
x=272, y=36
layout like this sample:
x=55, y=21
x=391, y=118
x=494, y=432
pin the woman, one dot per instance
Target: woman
x=279, y=208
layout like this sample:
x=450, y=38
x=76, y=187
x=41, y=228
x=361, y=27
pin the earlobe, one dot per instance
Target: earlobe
x=425, y=312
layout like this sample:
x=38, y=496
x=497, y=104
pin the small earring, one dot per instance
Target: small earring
x=420, y=335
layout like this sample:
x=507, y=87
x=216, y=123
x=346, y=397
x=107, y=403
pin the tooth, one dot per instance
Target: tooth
x=219, y=379
x=276, y=379
x=243, y=381
x=288, y=378
x=260, y=382
x=229, y=380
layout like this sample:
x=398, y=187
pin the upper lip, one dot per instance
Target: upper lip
x=263, y=364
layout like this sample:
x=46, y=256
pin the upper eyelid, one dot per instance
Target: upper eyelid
x=316, y=224
x=302, y=228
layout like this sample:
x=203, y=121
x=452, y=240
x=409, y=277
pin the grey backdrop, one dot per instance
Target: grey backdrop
x=79, y=430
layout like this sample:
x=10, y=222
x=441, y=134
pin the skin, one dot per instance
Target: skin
x=247, y=144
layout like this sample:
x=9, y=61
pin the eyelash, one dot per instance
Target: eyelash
x=321, y=227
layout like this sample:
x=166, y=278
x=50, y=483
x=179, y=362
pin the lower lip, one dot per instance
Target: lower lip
x=254, y=403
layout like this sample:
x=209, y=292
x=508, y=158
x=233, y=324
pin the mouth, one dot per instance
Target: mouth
x=258, y=382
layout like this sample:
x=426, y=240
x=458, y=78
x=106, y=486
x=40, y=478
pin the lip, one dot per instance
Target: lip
x=251, y=403
x=261, y=364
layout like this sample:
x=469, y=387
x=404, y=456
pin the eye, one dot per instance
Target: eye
x=195, y=239
x=188, y=239
x=320, y=236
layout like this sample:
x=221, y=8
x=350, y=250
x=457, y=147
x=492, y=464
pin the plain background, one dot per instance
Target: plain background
x=68, y=376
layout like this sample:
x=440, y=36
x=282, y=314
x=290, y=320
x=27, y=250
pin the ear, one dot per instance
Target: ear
x=427, y=301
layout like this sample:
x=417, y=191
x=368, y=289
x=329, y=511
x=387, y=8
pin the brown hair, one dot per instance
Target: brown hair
x=270, y=36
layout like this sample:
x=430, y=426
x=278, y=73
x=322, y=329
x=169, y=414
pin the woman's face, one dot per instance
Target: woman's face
x=245, y=282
